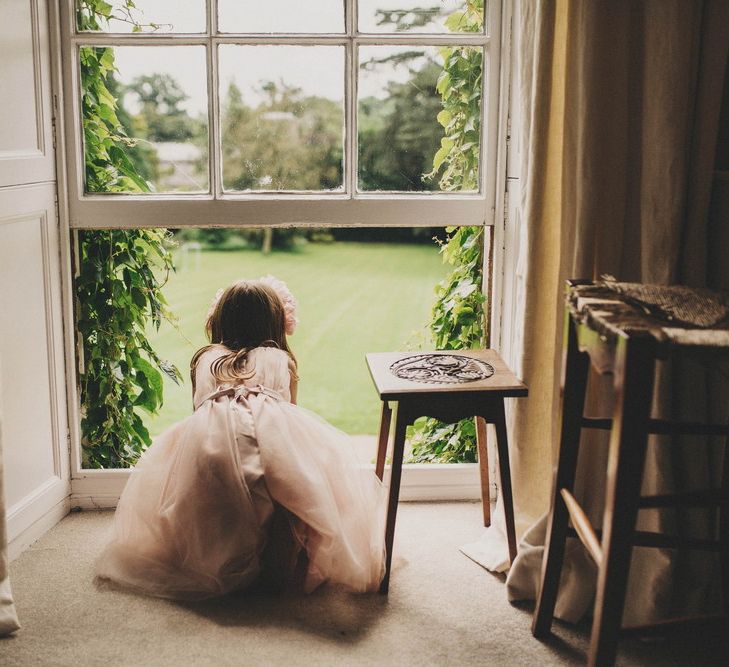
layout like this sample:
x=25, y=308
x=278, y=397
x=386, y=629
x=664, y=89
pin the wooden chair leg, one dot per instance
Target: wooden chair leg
x=403, y=417
x=502, y=444
x=724, y=531
x=483, y=467
x=634, y=370
x=383, y=438
x=576, y=365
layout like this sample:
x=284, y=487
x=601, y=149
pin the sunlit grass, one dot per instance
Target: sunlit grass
x=353, y=298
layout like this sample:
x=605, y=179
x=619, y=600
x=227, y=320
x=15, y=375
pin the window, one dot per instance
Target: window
x=245, y=85
x=291, y=113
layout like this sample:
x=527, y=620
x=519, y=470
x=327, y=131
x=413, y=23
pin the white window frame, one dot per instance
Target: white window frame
x=93, y=488
x=427, y=209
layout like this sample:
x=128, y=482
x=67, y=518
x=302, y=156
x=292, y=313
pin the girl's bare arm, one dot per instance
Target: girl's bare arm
x=294, y=385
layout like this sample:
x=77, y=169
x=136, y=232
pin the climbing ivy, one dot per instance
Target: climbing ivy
x=120, y=275
x=458, y=316
x=457, y=323
x=459, y=85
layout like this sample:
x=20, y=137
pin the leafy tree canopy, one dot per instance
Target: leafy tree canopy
x=287, y=141
x=159, y=97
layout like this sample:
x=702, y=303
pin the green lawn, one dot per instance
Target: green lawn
x=353, y=298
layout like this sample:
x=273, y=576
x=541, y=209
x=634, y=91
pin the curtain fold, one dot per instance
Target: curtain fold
x=8, y=616
x=542, y=76
x=542, y=31
x=621, y=101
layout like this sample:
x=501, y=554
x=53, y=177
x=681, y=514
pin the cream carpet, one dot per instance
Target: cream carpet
x=442, y=609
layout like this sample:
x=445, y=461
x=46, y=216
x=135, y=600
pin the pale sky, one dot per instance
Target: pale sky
x=280, y=16
x=316, y=70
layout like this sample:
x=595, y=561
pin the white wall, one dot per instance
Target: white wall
x=32, y=384
x=514, y=240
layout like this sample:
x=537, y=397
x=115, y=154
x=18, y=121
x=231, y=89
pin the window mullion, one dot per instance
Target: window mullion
x=214, y=161
x=350, y=100
x=350, y=17
x=282, y=40
x=484, y=113
x=423, y=39
x=417, y=39
x=135, y=39
x=491, y=181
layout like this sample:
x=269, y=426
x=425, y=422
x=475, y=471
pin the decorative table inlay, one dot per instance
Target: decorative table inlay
x=441, y=369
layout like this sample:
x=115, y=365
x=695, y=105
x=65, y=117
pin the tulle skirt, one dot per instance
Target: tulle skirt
x=201, y=513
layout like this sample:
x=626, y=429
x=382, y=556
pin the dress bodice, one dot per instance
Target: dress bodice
x=270, y=367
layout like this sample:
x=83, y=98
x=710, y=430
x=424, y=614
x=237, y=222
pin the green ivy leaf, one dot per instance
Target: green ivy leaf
x=444, y=117
x=455, y=21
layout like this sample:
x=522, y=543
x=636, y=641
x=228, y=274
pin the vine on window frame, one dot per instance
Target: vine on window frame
x=118, y=286
x=458, y=318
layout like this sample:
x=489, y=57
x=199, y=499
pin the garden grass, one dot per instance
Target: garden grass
x=353, y=298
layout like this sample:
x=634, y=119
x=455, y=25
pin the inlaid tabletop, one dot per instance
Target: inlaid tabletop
x=441, y=372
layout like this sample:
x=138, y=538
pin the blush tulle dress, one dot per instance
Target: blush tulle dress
x=197, y=517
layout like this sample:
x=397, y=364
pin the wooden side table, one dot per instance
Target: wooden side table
x=431, y=385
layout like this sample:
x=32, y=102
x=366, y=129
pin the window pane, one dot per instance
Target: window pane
x=145, y=16
x=282, y=117
x=284, y=16
x=145, y=118
x=436, y=16
x=419, y=118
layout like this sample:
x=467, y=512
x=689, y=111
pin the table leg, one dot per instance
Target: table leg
x=502, y=444
x=402, y=419
x=383, y=438
x=483, y=467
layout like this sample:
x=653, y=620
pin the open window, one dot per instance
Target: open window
x=293, y=114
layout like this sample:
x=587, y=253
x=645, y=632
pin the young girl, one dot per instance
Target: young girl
x=249, y=486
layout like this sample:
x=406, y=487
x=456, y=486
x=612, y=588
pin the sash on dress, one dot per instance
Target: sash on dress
x=242, y=391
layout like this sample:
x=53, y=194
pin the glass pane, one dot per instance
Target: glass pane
x=145, y=118
x=418, y=120
x=284, y=16
x=282, y=117
x=436, y=16
x=141, y=16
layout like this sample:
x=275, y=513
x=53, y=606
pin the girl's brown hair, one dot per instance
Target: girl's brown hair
x=247, y=315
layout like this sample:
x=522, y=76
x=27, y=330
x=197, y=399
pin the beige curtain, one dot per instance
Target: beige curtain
x=8, y=617
x=542, y=32
x=621, y=103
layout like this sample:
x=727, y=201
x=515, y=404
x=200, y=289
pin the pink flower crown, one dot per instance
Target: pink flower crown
x=287, y=298
x=284, y=293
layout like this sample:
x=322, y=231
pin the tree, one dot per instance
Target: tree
x=288, y=141
x=398, y=137
x=160, y=96
x=407, y=19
